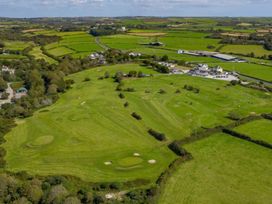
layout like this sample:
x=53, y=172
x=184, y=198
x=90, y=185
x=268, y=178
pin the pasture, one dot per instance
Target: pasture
x=224, y=170
x=259, y=130
x=72, y=43
x=38, y=54
x=258, y=50
x=252, y=70
x=16, y=45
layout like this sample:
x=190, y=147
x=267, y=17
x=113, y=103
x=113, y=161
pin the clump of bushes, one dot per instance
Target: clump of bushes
x=178, y=91
x=157, y=135
x=136, y=116
x=191, y=88
x=129, y=89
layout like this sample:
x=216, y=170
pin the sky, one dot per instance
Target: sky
x=109, y=8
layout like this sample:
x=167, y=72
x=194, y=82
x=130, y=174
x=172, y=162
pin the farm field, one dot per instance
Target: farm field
x=258, y=50
x=173, y=40
x=37, y=53
x=253, y=70
x=73, y=43
x=11, y=57
x=259, y=130
x=224, y=170
x=95, y=107
x=16, y=45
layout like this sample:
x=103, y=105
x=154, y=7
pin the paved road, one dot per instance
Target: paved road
x=97, y=41
x=9, y=90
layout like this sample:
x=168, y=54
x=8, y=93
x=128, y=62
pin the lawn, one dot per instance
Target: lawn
x=224, y=170
x=38, y=54
x=259, y=130
x=258, y=50
x=252, y=70
x=90, y=134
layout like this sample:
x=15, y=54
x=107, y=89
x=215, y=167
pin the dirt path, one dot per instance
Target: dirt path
x=97, y=41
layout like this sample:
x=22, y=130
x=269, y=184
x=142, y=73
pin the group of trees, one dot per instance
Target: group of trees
x=156, y=66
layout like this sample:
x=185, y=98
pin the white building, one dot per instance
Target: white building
x=7, y=69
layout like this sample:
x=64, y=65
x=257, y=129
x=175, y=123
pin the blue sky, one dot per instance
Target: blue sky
x=55, y=8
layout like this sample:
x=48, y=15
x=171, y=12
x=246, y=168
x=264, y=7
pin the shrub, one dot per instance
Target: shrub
x=136, y=116
x=178, y=91
x=157, y=135
x=86, y=79
x=126, y=104
x=100, y=78
x=121, y=95
x=161, y=91
x=107, y=75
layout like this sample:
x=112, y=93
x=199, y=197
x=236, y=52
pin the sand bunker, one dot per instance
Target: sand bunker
x=107, y=163
x=152, y=161
x=136, y=154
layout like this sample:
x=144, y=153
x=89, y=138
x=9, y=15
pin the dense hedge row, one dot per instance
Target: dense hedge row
x=267, y=116
x=177, y=149
x=157, y=135
x=245, y=137
x=136, y=116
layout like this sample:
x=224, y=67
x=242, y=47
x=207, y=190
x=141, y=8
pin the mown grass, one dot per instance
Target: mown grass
x=224, y=170
x=90, y=124
x=259, y=130
x=252, y=70
x=11, y=57
x=258, y=50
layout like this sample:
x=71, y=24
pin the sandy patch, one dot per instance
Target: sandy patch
x=136, y=154
x=152, y=161
x=107, y=163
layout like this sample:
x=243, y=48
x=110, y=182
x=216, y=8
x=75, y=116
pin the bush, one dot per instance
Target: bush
x=178, y=91
x=161, y=91
x=126, y=104
x=107, y=75
x=121, y=95
x=157, y=135
x=86, y=79
x=136, y=116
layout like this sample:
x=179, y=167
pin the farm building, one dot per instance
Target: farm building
x=21, y=92
x=225, y=57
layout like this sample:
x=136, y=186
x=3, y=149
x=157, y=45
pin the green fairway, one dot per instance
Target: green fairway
x=89, y=134
x=37, y=53
x=258, y=50
x=259, y=130
x=224, y=170
x=252, y=70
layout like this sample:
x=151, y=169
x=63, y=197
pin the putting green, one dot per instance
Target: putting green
x=40, y=141
x=130, y=161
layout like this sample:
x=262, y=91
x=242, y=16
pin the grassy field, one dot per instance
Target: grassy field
x=259, y=130
x=258, y=50
x=11, y=57
x=37, y=53
x=253, y=70
x=73, y=43
x=224, y=170
x=172, y=40
x=43, y=144
x=16, y=45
